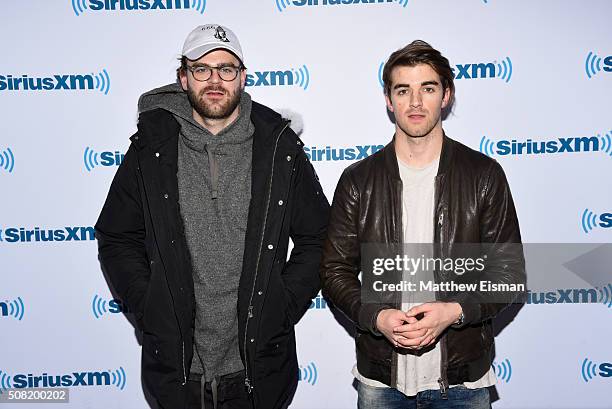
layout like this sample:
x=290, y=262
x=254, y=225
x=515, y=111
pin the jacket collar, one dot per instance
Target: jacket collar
x=158, y=126
x=390, y=158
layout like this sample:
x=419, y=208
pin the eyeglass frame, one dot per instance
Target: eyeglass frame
x=191, y=69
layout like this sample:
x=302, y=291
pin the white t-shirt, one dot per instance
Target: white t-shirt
x=417, y=370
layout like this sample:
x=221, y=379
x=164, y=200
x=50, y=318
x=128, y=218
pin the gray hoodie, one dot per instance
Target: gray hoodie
x=214, y=181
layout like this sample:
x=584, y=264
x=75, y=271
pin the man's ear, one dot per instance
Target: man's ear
x=243, y=75
x=447, y=97
x=183, y=77
x=388, y=101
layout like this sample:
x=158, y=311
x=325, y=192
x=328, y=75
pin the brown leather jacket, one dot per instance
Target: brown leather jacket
x=473, y=204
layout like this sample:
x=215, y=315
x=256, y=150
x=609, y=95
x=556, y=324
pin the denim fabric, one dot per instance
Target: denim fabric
x=459, y=397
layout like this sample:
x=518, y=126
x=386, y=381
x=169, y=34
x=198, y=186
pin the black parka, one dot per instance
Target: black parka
x=143, y=250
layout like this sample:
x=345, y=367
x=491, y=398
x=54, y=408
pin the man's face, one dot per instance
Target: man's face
x=214, y=98
x=416, y=99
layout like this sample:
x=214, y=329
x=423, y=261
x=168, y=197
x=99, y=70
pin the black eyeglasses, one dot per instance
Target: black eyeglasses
x=204, y=72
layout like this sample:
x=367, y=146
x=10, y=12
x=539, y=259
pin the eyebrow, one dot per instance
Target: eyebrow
x=431, y=82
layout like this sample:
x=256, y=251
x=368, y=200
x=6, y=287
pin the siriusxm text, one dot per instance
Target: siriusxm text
x=605, y=370
x=97, y=5
x=563, y=296
x=73, y=379
x=560, y=145
x=472, y=71
x=270, y=78
x=328, y=153
x=38, y=234
x=111, y=158
x=605, y=220
x=55, y=82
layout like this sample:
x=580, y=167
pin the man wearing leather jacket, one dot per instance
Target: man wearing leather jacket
x=195, y=231
x=423, y=187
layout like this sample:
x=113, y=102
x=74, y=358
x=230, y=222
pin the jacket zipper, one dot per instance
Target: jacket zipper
x=247, y=381
x=443, y=381
x=398, y=296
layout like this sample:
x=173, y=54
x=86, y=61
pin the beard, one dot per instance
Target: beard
x=215, y=110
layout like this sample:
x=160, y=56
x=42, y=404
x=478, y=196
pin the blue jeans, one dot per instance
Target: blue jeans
x=459, y=397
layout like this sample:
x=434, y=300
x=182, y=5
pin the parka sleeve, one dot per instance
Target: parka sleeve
x=120, y=232
x=309, y=217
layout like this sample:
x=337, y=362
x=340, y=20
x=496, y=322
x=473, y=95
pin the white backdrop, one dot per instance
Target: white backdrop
x=538, y=70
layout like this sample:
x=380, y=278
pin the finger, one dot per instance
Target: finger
x=410, y=320
x=405, y=342
x=393, y=341
x=430, y=343
x=421, y=344
x=417, y=310
x=425, y=341
x=411, y=327
x=412, y=334
x=428, y=340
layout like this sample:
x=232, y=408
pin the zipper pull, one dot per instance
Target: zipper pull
x=183, y=362
x=247, y=383
x=440, y=218
x=443, y=388
x=250, y=311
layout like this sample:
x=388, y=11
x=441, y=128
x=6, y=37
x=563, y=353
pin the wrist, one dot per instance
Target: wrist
x=378, y=320
x=459, y=317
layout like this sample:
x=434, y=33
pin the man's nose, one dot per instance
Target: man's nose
x=416, y=100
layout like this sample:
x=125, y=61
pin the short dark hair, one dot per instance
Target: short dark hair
x=181, y=68
x=419, y=52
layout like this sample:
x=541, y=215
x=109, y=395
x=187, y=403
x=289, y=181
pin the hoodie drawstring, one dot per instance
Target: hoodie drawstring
x=214, y=171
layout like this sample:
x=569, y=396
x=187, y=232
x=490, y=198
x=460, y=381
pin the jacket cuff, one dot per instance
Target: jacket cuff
x=470, y=308
x=367, y=316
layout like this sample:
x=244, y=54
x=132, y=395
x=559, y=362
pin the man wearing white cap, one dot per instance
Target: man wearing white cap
x=194, y=235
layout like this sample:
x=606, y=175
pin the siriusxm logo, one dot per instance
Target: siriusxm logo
x=57, y=82
x=107, y=158
x=589, y=370
x=335, y=154
x=318, y=303
x=299, y=77
x=7, y=160
x=503, y=370
x=80, y=6
x=592, y=64
x=12, y=308
x=37, y=234
x=505, y=147
x=115, y=378
x=573, y=296
x=590, y=220
x=100, y=306
x=309, y=374
x=283, y=4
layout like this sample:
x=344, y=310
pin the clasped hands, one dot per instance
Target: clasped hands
x=404, y=330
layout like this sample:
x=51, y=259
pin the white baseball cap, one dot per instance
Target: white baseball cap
x=209, y=37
